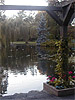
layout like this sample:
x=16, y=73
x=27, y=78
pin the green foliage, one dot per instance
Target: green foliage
x=62, y=56
x=53, y=28
x=71, y=32
x=50, y=43
x=19, y=28
x=63, y=77
x=60, y=81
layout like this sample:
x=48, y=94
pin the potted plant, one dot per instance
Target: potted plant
x=63, y=82
x=59, y=86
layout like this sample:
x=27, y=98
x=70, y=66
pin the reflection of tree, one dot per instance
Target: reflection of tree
x=46, y=67
x=41, y=51
x=21, y=59
x=3, y=56
x=3, y=80
x=46, y=52
x=25, y=60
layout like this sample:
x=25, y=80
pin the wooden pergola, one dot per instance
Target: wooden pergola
x=62, y=13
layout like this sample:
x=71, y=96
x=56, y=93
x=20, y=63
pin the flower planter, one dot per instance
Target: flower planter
x=58, y=92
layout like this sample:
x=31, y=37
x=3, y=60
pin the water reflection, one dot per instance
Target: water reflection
x=21, y=70
x=24, y=69
x=3, y=80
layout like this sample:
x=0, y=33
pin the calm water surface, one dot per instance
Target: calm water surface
x=21, y=70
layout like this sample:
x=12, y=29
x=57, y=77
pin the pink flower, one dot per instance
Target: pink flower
x=53, y=78
x=70, y=72
x=63, y=76
x=49, y=76
x=73, y=76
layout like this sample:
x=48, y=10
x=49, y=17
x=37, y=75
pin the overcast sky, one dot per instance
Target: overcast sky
x=23, y=2
x=26, y=2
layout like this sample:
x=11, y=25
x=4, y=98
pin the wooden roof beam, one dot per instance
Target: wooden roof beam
x=55, y=17
x=67, y=3
x=24, y=7
x=68, y=14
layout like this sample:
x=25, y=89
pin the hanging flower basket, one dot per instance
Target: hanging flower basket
x=58, y=92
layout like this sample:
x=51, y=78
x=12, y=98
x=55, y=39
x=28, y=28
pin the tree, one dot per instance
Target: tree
x=52, y=26
x=42, y=31
x=19, y=28
x=2, y=18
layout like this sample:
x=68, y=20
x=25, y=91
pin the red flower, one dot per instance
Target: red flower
x=70, y=72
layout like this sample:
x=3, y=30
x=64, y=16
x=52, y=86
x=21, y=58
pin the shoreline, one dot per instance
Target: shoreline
x=36, y=95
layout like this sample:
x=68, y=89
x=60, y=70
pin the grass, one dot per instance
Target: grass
x=51, y=43
x=31, y=43
x=22, y=42
x=19, y=42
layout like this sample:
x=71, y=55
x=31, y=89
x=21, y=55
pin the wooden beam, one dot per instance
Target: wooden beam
x=24, y=7
x=68, y=15
x=66, y=11
x=63, y=32
x=55, y=17
x=73, y=16
x=54, y=8
x=65, y=3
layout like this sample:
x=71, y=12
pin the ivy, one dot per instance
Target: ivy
x=62, y=57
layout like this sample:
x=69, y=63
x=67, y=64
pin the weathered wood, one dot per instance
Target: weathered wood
x=65, y=9
x=63, y=32
x=68, y=15
x=65, y=3
x=55, y=17
x=58, y=92
x=73, y=16
x=24, y=7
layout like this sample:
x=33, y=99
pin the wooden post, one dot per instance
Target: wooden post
x=64, y=47
x=63, y=31
x=0, y=36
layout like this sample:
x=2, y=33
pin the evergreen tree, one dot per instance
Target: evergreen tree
x=42, y=31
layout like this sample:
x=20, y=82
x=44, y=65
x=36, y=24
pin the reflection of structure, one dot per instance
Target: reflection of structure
x=3, y=80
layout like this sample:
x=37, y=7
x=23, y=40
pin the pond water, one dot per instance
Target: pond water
x=22, y=69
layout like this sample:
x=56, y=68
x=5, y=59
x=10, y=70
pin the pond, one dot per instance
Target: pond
x=22, y=69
